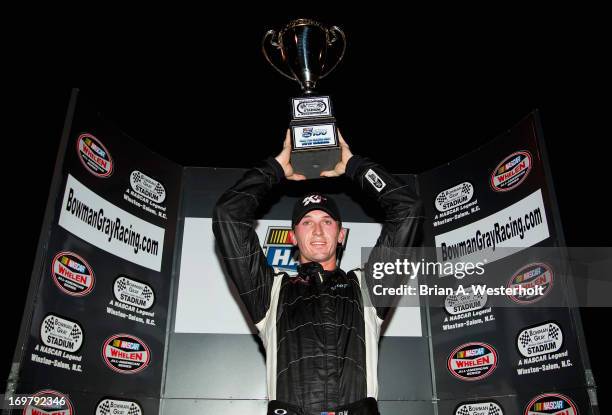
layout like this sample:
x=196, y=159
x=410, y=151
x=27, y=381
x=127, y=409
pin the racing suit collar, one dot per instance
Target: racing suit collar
x=313, y=271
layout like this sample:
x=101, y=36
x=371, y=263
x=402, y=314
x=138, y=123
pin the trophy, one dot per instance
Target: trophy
x=306, y=51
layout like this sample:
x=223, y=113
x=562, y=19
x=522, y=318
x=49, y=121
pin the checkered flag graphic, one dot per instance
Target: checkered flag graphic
x=105, y=408
x=452, y=300
x=137, y=177
x=494, y=410
x=121, y=284
x=463, y=411
x=553, y=331
x=441, y=198
x=466, y=187
x=75, y=333
x=524, y=339
x=49, y=325
x=134, y=410
x=147, y=293
x=159, y=189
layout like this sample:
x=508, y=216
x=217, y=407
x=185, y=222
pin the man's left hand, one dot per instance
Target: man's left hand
x=345, y=157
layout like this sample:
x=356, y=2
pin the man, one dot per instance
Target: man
x=320, y=335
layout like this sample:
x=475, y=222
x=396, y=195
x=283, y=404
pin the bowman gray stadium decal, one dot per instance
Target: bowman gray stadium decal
x=61, y=333
x=541, y=339
x=455, y=196
x=458, y=303
x=479, y=408
x=118, y=407
x=132, y=292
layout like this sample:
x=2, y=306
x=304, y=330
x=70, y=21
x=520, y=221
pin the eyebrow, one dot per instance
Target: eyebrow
x=322, y=217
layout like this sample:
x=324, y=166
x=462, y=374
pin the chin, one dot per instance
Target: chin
x=317, y=258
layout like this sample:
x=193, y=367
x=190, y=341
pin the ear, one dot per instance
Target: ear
x=291, y=237
x=341, y=236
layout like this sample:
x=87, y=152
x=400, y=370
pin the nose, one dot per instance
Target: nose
x=318, y=229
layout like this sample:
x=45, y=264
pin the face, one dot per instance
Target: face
x=317, y=236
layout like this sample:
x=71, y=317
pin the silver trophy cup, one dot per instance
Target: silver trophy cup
x=306, y=51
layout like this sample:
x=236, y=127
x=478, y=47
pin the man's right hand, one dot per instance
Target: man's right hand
x=284, y=160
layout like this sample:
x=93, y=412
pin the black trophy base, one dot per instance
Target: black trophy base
x=311, y=163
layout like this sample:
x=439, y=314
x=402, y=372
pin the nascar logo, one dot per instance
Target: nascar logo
x=94, y=156
x=512, y=171
x=551, y=404
x=472, y=361
x=279, y=249
x=532, y=275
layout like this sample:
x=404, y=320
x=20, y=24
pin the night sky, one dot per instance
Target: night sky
x=411, y=98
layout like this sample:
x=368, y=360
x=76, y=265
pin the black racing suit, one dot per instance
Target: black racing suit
x=319, y=328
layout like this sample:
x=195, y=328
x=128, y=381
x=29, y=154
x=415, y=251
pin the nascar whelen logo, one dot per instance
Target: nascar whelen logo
x=48, y=402
x=72, y=274
x=94, y=156
x=531, y=276
x=124, y=353
x=280, y=251
x=551, y=404
x=512, y=171
x=472, y=361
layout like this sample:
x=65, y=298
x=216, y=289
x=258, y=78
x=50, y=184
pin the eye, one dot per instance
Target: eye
x=328, y=222
x=306, y=223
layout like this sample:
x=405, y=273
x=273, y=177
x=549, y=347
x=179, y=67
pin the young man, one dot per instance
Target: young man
x=320, y=335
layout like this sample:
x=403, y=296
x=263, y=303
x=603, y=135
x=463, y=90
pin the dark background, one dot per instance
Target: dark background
x=411, y=96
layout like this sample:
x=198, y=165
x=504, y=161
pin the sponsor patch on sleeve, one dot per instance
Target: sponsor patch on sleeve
x=375, y=180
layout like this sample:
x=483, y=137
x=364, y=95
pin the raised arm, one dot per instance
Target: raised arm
x=402, y=213
x=234, y=229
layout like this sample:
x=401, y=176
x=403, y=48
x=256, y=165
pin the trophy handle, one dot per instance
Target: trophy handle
x=332, y=31
x=271, y=34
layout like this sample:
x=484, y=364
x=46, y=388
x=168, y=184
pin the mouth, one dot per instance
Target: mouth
x=318, y=243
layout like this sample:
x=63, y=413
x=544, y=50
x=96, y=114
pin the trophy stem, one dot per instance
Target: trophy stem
x=309, y=87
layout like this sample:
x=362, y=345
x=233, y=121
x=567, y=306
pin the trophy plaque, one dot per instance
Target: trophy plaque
x=306, y=51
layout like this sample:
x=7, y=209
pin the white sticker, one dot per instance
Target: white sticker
x=375, y=180
x=314, y=136
x=102, y=224
x=311, y=107
x=61, y=333
x=117, y=407
x=455, y=196
x=543, y=339
x=514, y=228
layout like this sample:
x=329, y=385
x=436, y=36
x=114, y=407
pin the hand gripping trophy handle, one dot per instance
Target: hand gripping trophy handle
x=332, y=38
x=271, y=38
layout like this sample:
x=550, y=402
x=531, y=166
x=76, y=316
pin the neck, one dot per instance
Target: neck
x=328, y=265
